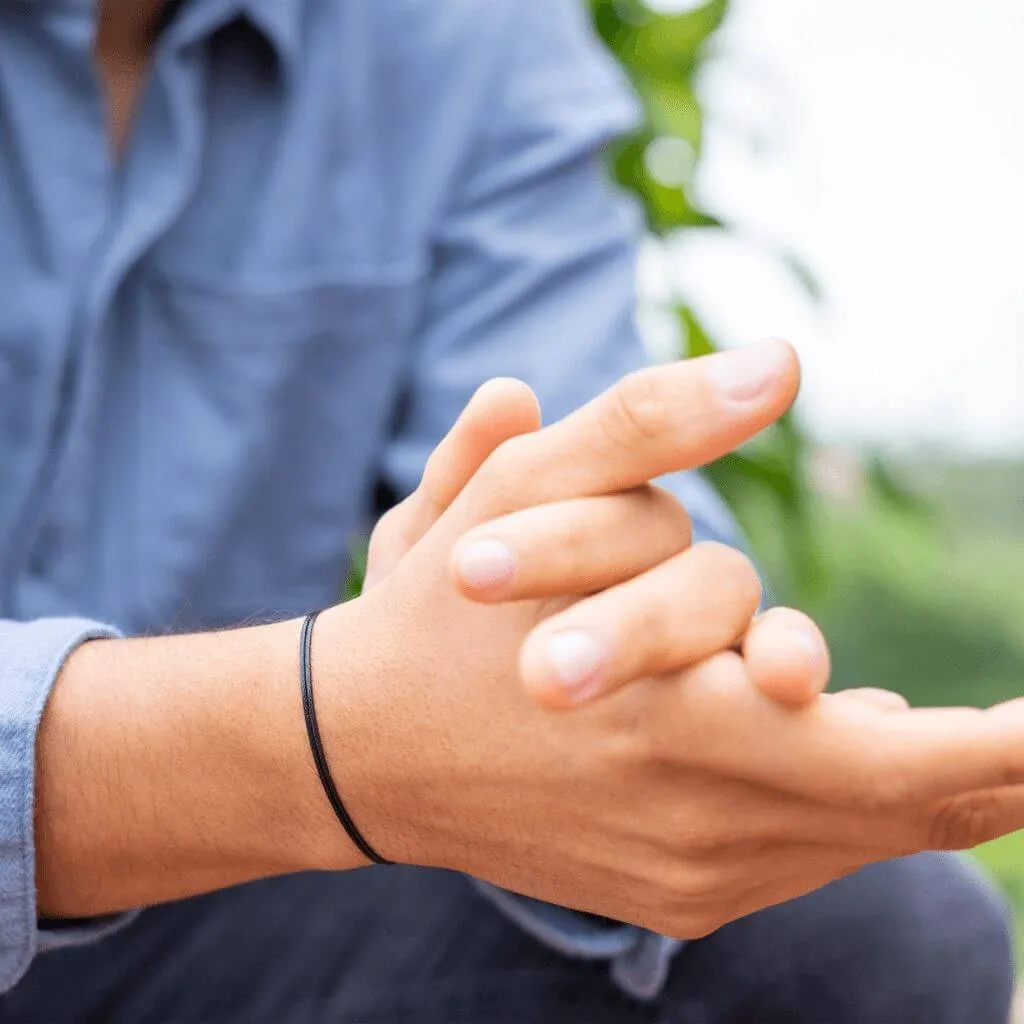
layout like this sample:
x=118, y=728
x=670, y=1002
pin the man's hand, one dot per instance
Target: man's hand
x=575, y=547
x=682, y=800
x=171, y=766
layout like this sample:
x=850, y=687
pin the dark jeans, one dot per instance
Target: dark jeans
x=901, y=943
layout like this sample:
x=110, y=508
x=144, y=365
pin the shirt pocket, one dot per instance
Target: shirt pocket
x=262, y=411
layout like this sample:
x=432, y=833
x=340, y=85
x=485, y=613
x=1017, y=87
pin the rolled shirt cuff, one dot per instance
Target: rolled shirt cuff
x=32, y=655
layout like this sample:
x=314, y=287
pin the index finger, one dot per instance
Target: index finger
x=859, y=752
x=838, y=750
x=656, y=421
x=937, y=753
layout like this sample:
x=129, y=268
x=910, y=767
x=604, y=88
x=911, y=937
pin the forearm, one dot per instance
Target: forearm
x=173, y=766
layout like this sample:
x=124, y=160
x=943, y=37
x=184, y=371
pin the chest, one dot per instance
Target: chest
x=186, y=334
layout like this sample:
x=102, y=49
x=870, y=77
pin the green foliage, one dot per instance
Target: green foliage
x=906, y=608
x=662, y=55
x=765, y=483
x=356, y=575
x=934, y=613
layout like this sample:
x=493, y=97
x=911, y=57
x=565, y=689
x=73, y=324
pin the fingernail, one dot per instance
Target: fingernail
x=745, y=374
x=485, y=564
x=808, y=642
x=577, y=658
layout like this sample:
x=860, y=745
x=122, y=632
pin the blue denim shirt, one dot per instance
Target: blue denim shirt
x=333, y=220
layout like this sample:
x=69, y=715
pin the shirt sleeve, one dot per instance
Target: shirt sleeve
x=534, y=277
x=31, y=656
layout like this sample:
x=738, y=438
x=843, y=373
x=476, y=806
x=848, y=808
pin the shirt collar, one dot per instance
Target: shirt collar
x=281, y=22
x=278, y=21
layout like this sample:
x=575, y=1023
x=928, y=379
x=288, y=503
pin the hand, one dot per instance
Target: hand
x=678, y=802
x=580, y=546
x=221, y=708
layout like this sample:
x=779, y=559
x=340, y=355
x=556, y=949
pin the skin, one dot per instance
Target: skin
x=122, y=47
x=674, y=797
x=668, y=788
x=795, y=665
x=162, y=762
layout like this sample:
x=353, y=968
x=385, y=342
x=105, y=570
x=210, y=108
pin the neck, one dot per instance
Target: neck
x=124, y=41
x=127, y=26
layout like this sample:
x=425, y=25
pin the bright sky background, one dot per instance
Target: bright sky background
x=884, y=141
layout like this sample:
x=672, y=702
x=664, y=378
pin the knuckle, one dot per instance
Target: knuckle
x=387, y=525
x=965, y=822
x=717, y=688
x=653, y=632
x=735, y=573
x=390, y=534
x=500, y=477
x=573, y=543
x=694, y=885
x=719, y=837
x=636, y=410
x=671, y=515
x=509, y=457
x=725, y=672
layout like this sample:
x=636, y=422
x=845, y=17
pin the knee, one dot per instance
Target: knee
x=947, y=932
x=922, y=939
x=965, y=946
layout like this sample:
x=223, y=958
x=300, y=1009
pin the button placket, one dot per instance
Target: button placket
x=56, y=549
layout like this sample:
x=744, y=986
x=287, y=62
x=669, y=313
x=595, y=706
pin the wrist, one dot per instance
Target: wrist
x=368, y=680
x=172, y=766
x=298, y=828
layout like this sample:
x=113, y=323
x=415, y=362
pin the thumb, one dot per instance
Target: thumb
x=501, y=409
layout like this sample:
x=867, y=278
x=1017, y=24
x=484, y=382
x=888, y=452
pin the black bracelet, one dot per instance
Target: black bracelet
x=317, y=747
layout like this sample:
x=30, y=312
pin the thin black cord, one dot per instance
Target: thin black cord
x=317, y=747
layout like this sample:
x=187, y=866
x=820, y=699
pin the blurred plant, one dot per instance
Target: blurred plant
x=766, y=482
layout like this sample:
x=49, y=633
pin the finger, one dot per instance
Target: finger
x=883, y=700
x=787, y=657
x=571, y=547
x=842, y=751
x=937, y=753
x=909, y=759
x=678, y=613
x=656, y=421
x=501, y=409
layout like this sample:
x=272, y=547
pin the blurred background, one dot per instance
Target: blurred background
x=849, y=176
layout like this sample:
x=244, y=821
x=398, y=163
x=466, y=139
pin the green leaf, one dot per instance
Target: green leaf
x=895, y=494
x=696, y=339
x=667, y=208
x=766, y=482
x=671, y=44
x=356, y=577
x=673, y=109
